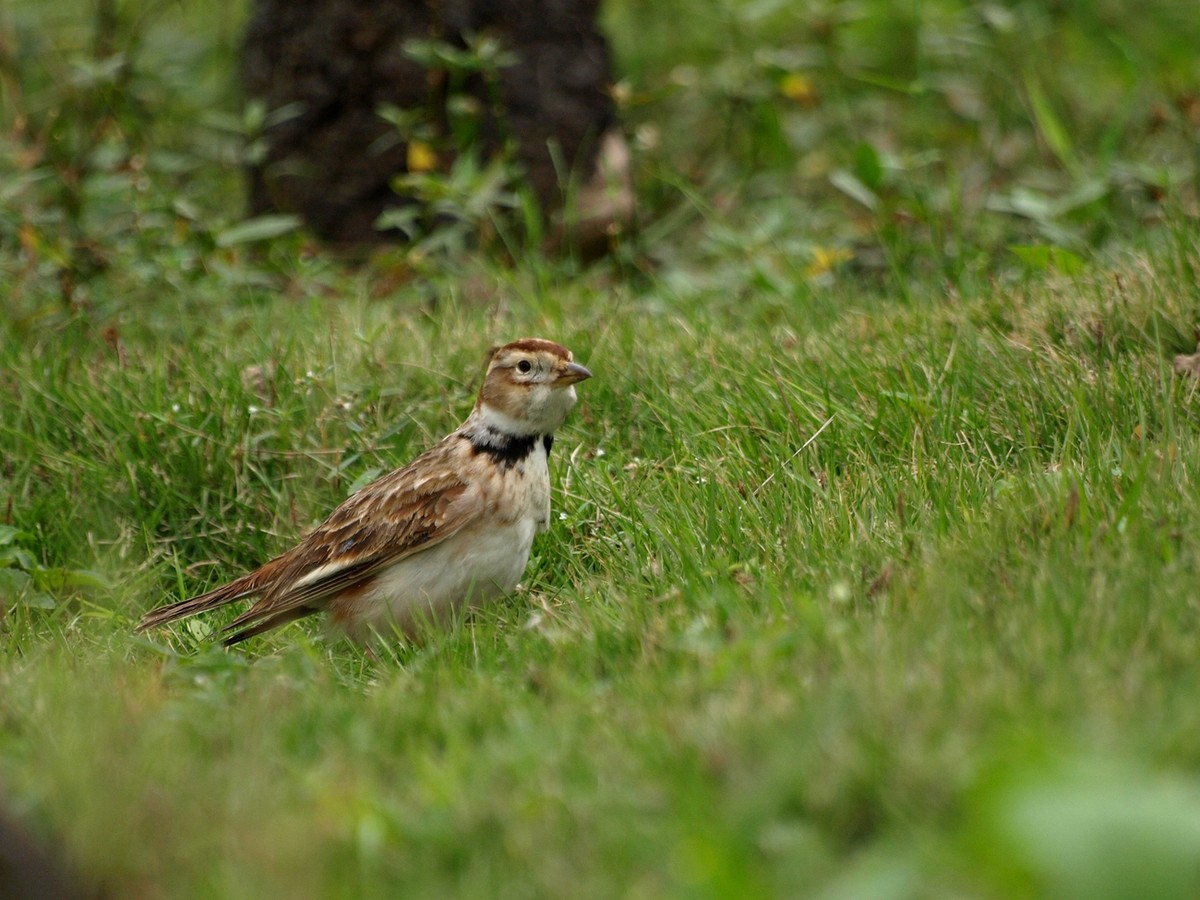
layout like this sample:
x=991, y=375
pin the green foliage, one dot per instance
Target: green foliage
x=107, y=171
x=918, y=136
x=452, y=210
x=26, y=582
x=459, y=196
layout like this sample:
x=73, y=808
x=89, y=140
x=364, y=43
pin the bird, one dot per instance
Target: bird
x=450, y=530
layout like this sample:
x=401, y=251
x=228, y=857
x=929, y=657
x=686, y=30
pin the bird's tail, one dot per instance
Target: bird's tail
x=239, y=588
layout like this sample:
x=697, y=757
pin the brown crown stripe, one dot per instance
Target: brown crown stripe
x=536, y=345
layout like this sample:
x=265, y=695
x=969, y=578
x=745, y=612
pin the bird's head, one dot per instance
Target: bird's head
x=529, y=386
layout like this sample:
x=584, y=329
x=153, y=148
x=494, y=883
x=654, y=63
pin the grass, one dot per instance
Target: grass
x=734, y=667
x=945, y=645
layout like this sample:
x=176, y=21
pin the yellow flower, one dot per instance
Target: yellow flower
x=826, y=259
x=421, y=157
x=798, y=87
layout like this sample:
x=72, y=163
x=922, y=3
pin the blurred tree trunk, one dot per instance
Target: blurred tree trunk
x=323, y=70
x=32, y=871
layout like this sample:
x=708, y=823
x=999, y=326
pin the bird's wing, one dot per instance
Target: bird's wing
x=405, y=512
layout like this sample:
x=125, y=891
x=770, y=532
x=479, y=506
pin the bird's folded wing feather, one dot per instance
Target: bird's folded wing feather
x=403, y=513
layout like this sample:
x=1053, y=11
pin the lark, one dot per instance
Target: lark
x=450, y=530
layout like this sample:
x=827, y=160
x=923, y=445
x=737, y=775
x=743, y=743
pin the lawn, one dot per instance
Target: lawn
x=874, y=563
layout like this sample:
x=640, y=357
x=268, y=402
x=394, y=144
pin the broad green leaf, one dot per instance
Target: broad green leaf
x=39, y=600
x=13, y=583
x=1024, y=202
x=1045, y=257
x=199, y=629
x=1053, y=131
x=867, y=166
x=11, y=535
x=18, y=557
x=261, y=228
x=363, y=480
x=853, y=187
x=57, y=579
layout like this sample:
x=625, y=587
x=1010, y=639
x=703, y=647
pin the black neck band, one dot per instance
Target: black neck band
x=505, y=449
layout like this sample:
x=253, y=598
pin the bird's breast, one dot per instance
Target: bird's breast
x=482, y=561
x=474, y=566
x=523, y=492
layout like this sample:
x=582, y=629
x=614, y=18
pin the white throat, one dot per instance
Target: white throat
x=545, y=411
x=492, y=419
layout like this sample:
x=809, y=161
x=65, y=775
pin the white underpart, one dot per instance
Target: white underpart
x=472, y=567
x=466, y=570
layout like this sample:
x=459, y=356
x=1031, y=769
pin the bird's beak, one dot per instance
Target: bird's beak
x=572, y=373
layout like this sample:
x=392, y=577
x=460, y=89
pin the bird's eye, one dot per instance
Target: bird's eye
x=524, y=366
